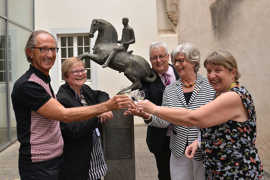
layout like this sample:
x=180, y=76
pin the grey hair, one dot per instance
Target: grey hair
x=192, y=54
x=31, y=42
x=158, y=45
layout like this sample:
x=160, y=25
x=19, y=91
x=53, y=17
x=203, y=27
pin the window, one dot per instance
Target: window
x=74, y=45
x=3, y=60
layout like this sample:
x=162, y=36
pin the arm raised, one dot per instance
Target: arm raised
x=52, y=109
x=227, y=106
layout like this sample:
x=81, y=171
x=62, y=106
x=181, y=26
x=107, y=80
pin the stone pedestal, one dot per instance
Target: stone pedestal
x=119, y=149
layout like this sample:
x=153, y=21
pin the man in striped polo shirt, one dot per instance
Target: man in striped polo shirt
x=38, y=112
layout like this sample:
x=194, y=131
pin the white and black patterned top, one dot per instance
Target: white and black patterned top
x=98, y=166
x=174, y=97
x=40, y=138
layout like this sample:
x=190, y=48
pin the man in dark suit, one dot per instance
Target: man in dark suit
x=158, y=138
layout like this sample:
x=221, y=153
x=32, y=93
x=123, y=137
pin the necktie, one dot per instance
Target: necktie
x=166, y=79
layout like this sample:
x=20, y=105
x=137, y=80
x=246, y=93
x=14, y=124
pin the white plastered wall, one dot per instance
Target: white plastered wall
x=75, y=16
x=246, y=36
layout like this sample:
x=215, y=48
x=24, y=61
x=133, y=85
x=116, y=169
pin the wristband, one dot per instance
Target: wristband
x=148, y=120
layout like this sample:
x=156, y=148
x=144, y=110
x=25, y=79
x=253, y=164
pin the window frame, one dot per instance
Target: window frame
x=3, y=59
x=6, y=63
x=75, y=52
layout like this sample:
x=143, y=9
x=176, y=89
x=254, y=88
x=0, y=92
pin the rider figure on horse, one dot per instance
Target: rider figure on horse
x=128, y=38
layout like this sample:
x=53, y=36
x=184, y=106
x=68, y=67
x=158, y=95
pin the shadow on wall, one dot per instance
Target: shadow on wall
x=221, y=11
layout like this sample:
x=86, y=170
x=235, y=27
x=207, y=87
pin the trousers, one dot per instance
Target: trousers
x=163, y=164
x=45, y=170
x=184, y=168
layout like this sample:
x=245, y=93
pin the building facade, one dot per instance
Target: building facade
x=212, y=24
x=70, y=23
x=16, y=24
x=235, y=26
x=19, y=18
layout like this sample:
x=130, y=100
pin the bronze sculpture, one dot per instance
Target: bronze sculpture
x=135, y=67
x=128, y=36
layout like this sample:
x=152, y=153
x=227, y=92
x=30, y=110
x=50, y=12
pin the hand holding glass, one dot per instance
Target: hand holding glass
x=137, y=95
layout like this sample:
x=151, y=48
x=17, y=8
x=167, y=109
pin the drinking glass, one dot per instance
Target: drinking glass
x=137, y=95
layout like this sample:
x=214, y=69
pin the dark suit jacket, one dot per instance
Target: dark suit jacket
x=78, y=135
x=156, y=139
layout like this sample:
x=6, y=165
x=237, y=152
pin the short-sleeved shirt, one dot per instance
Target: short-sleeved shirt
x=40, y=138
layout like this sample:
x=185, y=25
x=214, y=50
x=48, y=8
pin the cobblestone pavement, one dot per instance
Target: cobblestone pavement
x=145, y=163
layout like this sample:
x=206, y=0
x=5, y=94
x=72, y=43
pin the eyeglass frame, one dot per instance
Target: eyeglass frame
x=154, y=58
x=180, y=60
x=46, y=50
x=77, y=72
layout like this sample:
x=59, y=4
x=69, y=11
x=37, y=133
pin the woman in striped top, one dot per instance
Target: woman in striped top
x=83, y=154
x=228, y=123
x=190, y=91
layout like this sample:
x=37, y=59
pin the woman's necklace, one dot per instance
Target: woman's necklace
x=189, y=82
x=188, y=85
x=234, y=84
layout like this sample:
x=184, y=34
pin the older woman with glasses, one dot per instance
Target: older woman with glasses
x=190, y=91
x=83, y=154
x=228, y=123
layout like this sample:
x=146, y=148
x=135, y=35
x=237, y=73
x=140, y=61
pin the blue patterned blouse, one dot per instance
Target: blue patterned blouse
x=229, y=148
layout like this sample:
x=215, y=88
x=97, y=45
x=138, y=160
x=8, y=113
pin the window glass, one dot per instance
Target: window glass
x=88, y=74
x=17, y=38
x=86, y=40
x=74, y=45
x=13, y=62
x=84, y=46
x=3, y=87
x=80, y=50
x=70, y=52
x=63, y=52
x=17, y=62
x=88, y=67
x=86, y=49
x=66, y=47
x=2, y=57
x=70, y=41
x=21, y=12
x=63, y=41
x=2, y=64
x=80, y=40
x=87, y=62
x=2, y=7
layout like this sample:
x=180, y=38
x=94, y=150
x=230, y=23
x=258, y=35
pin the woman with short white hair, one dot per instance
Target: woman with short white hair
x=190, y=91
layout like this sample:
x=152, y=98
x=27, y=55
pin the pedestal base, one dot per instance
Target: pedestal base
x=119, y=149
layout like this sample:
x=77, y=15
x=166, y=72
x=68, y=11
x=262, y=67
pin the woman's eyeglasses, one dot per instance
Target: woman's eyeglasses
x=77, y=72
x=180, y=60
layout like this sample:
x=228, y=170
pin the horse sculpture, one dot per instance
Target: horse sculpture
x=107, y=51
